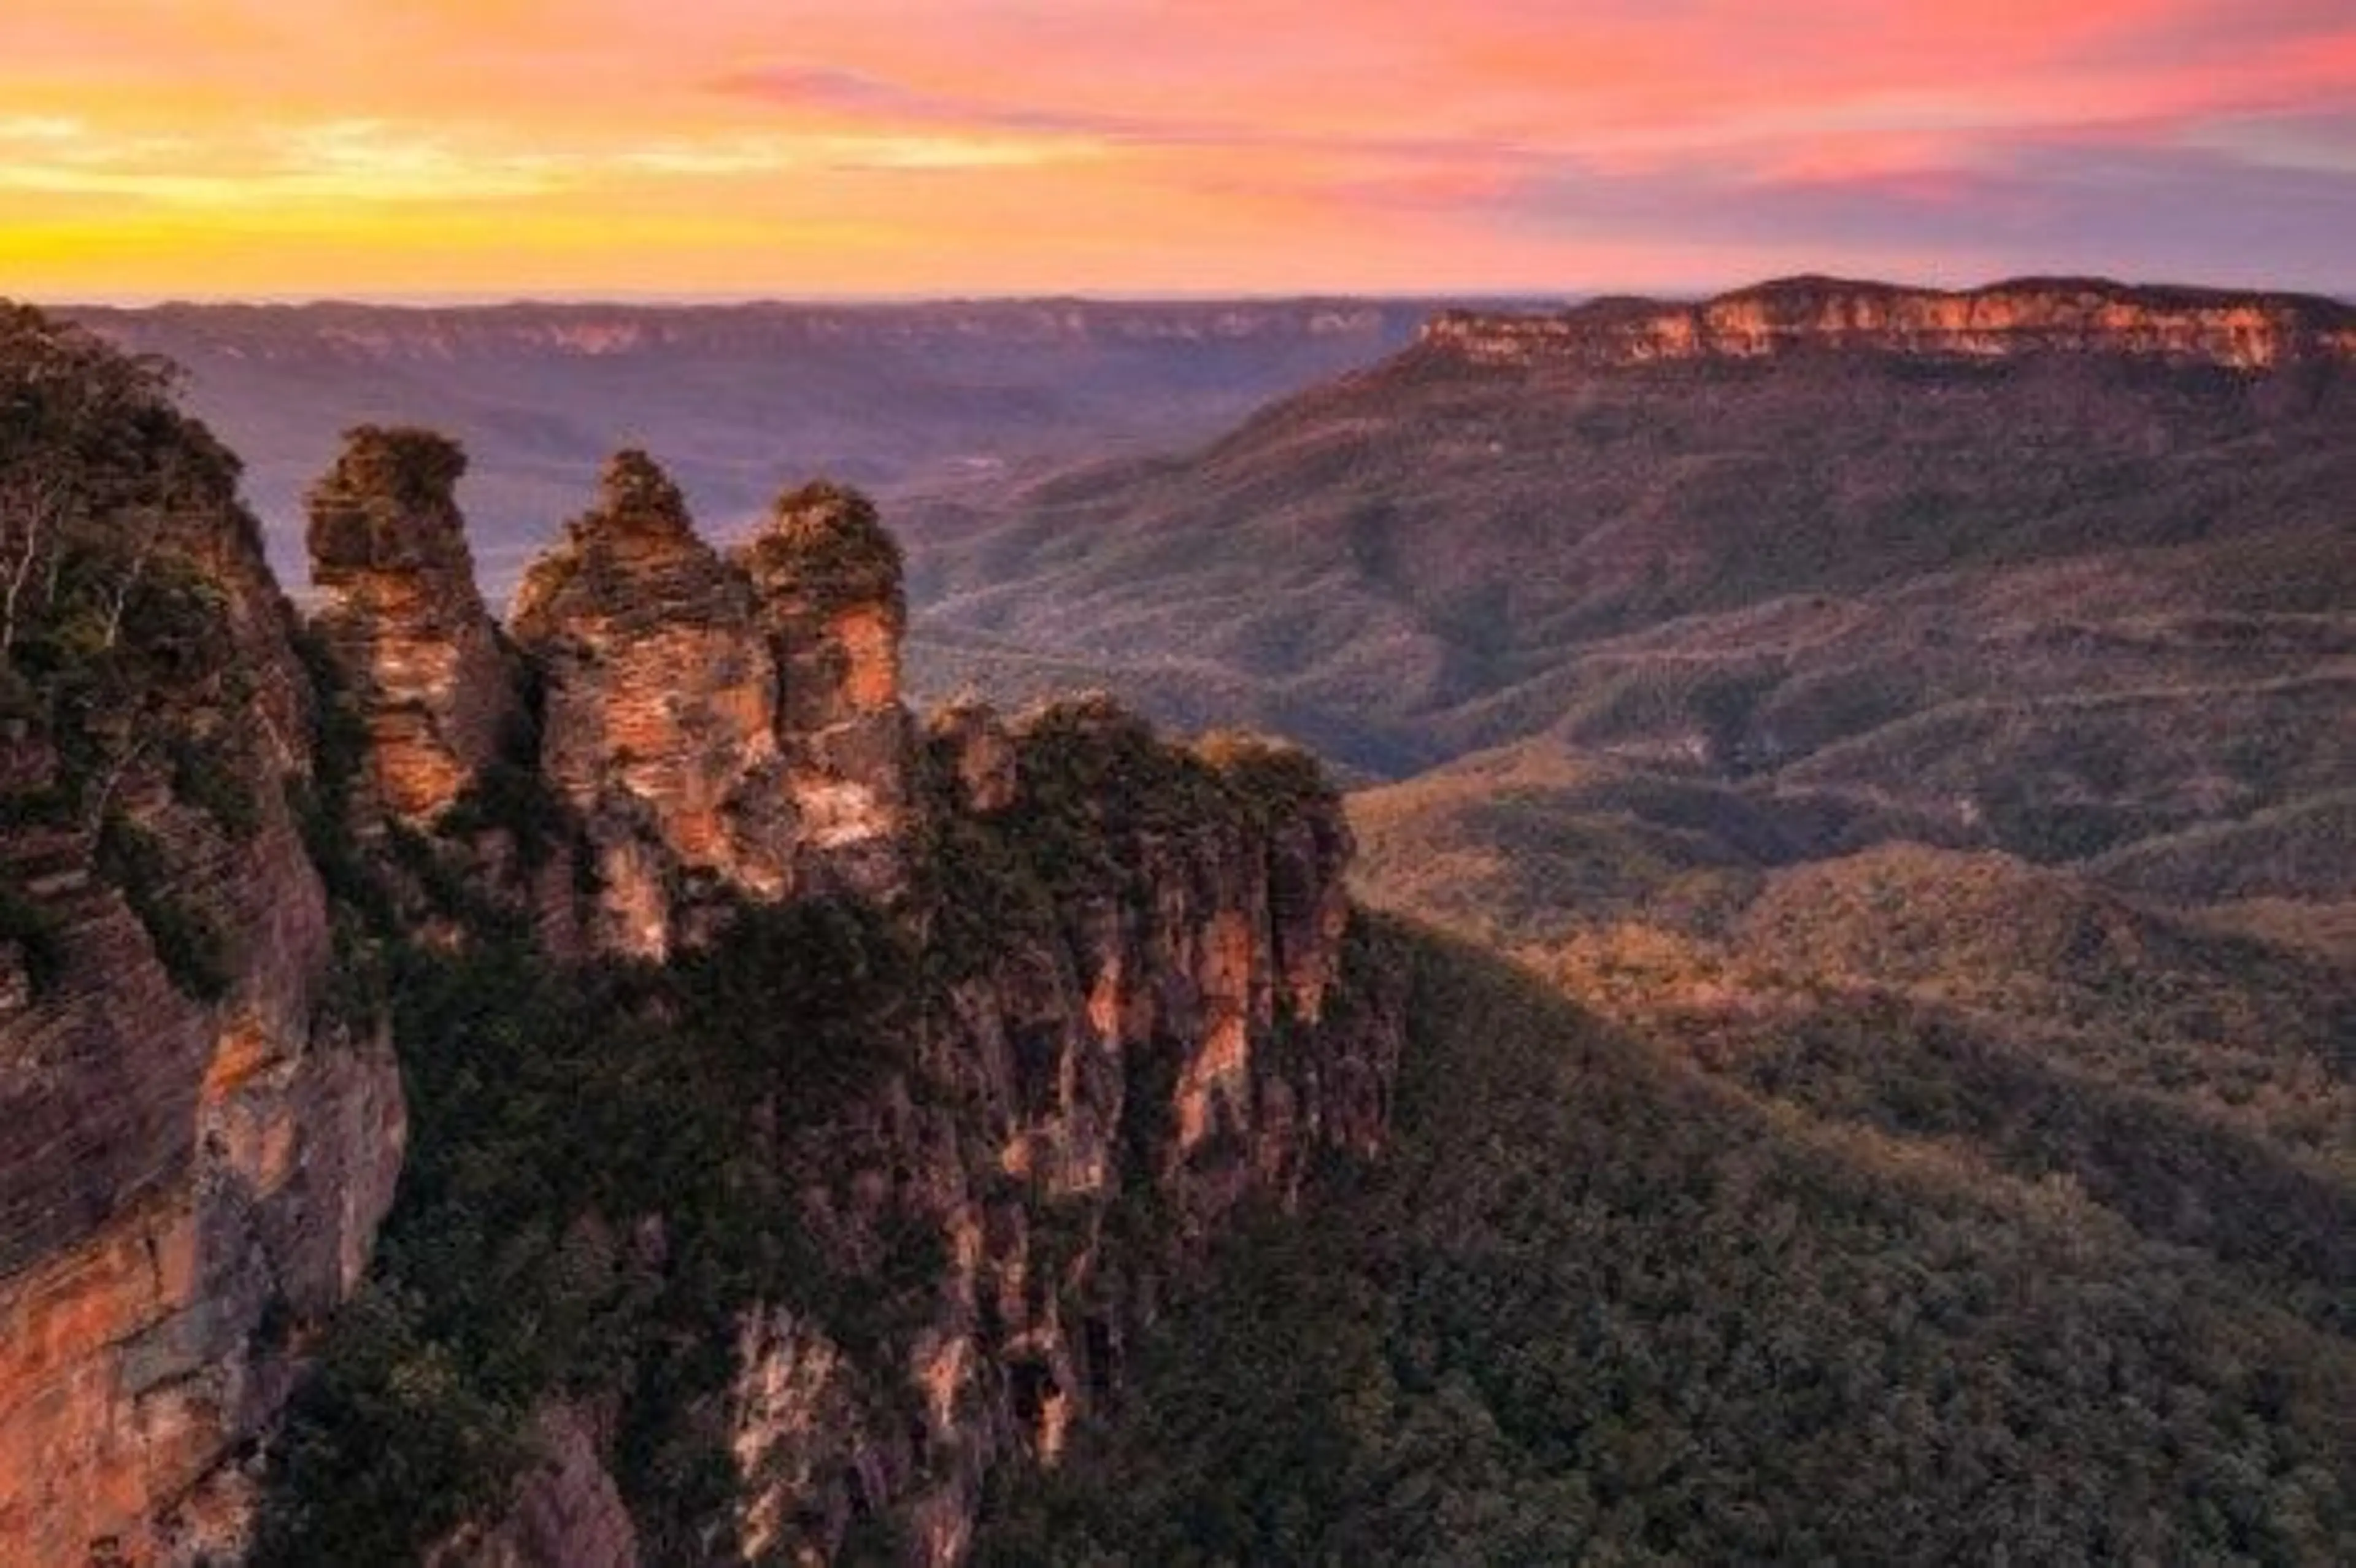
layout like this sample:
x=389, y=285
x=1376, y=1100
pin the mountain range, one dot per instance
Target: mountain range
x=739, y=399
x=1825, y=1028
x=1903, y=739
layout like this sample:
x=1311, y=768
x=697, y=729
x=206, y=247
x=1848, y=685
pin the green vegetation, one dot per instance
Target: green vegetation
x=1098, y=790
x=119, y=667
x=393, y=1442
x=383, y=478
x=610, y=1163
x=1274, y=780
x=1592, y=1307
x=603, y=1172
x=827, y=541
x=2196, y=1082
x=322, y=803
x=188, y=941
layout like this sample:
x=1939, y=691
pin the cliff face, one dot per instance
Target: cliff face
x=1819, y=315
x=1171, y=1036
x=725, y=727
x=1080, y=997
x=1131, y=1016
x=195, y=1151
x=399, y=607
x=827, y=579
x=659, y=726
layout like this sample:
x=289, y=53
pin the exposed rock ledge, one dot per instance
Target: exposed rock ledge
x=1819, y=315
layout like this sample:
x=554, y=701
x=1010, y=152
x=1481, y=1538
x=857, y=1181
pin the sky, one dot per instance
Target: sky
x=426, y=149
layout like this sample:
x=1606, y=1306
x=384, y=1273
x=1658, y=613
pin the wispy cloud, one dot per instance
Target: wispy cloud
x=331, y=161
x=846, y=143
x=854, y=95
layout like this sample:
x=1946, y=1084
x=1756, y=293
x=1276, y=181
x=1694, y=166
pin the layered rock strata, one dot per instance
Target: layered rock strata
x=658, y=725
x=195, y=1149
x=725, y=727
x=1827, y=315
x=827, y=580
x=398, y=606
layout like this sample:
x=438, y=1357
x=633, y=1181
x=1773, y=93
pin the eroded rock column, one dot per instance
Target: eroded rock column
x=658, y=727
x=827, y=579
x=400, y=613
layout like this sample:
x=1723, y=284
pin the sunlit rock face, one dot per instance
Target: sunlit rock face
x=827, y=581
x=399, y=609
x=658, y=726
x=719, y=728
x=1157, y=1030
x=191, y=1171
x=1181, y=1043
x=1822, y=316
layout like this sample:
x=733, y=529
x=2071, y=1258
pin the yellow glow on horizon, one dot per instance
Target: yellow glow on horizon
x=240, y=148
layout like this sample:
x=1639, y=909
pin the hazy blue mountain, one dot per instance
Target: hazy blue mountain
x=738, y=401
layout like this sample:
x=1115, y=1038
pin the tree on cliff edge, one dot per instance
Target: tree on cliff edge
x=92, y=453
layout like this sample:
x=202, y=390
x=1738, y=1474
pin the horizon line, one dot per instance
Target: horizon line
x=485, y=300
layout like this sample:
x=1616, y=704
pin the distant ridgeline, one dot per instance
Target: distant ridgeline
x=796, y=1111
x=737, y=398
x=1819, y=315
x=1733, y=534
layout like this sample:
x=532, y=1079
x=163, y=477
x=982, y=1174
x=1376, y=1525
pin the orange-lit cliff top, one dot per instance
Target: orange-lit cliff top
x=2021, y=316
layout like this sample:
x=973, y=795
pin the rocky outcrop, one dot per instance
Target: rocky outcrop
x=658, y=729
x=828, y=582
x=196, y=1148
x=1183, y=1036
x=726, y=728
x=1128, y=1010
x=398, y=608
x=1142, y=1008
x=1828, y=315
x=1133, y=1016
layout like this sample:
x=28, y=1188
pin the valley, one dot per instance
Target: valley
x=1779, y=984
x=927, y=397
x=1922, y=768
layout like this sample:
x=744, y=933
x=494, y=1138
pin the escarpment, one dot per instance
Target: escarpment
x=2002, y=321
x=197, y=1138
x=1147, y=1011
x=808, y=1111
x=1108, y=999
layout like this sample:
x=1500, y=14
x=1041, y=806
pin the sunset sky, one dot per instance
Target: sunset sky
x=473, y=148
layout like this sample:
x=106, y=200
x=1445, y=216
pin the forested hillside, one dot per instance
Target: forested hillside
x=1890, y=1093
x=1597, y=1305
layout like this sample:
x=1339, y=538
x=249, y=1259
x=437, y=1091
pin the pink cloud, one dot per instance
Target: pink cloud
x=1369, y=139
